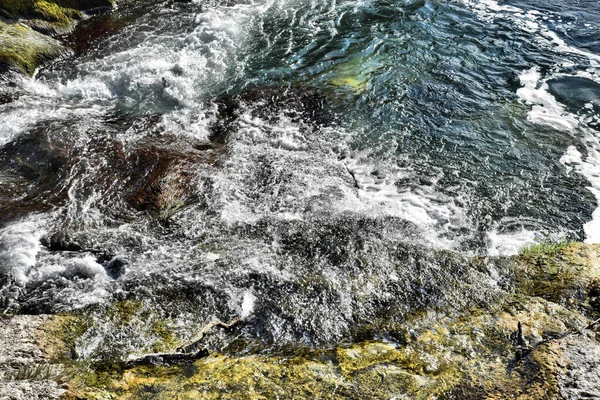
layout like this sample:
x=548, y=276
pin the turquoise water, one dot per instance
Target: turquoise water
x=309, y=158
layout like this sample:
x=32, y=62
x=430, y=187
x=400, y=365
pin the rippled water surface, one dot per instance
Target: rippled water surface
x=309, y=159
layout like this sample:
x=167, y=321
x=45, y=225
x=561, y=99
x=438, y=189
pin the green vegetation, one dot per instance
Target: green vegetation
x=545, y=247
x=24, y=25
x=23, y=48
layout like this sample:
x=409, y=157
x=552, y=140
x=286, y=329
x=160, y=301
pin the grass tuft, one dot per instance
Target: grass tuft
x=545, y=247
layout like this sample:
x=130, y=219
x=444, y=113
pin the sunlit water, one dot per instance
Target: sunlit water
x=299, y=162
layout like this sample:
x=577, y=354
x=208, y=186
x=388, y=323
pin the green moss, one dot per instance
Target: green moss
x=50, y=11
x=24, y=49
x=125, y=311
x=54, y=10
x=55, y=16
x=166, y=336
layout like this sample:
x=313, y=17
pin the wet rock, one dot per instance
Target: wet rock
x=89, y=32
x=115, y=268
x=89, y=4
x=163, y=178
x=27, y=390
x=33, y=166
x=572, y=364
x=296, y=102
x=594, y=294
x=60, y=241
x=575, y=92
x=437, y=350
x=168, y=359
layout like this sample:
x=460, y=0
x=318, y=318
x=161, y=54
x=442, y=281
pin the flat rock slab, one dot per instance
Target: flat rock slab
x=21, y=343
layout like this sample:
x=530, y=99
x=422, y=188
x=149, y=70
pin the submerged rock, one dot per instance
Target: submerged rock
x=575, y=92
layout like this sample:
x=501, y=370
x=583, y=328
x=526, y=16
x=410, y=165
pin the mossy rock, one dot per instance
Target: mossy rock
x=24, y=49
x=50, y=10
x=45, y=16
x=24, y=25
x=444, y=356
x=561, y=275
x=471, y=353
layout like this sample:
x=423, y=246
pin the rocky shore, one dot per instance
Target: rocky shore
x=540, y=341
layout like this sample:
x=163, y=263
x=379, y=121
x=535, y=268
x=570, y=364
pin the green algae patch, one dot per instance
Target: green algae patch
x=354, y=74
x=46, y=16
x=25, y=49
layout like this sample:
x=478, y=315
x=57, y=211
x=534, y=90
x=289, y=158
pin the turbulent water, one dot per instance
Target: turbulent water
x=303, y=162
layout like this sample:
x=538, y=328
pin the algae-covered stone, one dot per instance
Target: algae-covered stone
x=25, y=24
x=532, y=343
x=24, y=49
x=466, y=353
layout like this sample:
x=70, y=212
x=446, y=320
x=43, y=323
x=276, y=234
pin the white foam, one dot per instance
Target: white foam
x=19, y=247
x=166, y=74
x=301, y=172
x=530, y=22
x=590, y=168
x=545, y=110
x=378, y=194
x=23, y=259
x=507, y=244
x=247, y=304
